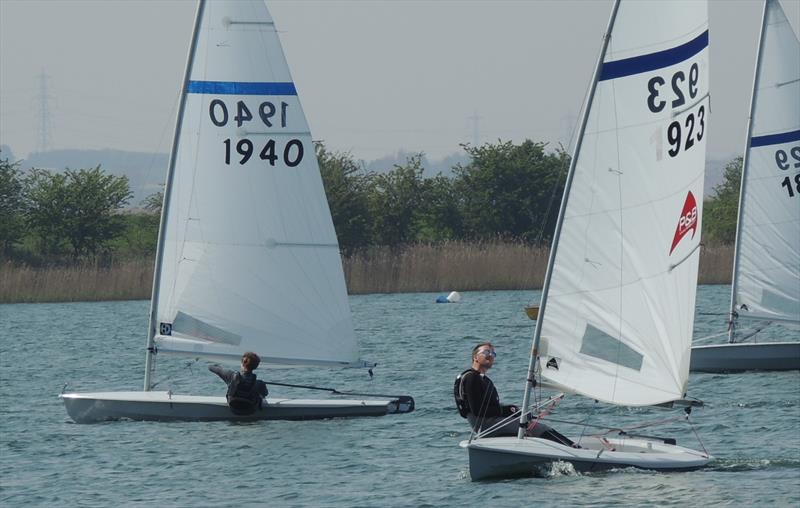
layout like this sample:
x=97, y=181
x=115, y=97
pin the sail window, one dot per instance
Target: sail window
x=598, y=344
x=193, y=327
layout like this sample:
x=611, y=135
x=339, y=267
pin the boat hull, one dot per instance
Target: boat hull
x=165, y=406
x=740, y=357
x=504, y=457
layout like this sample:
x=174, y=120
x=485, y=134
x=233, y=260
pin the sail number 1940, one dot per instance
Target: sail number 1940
x=271, y=115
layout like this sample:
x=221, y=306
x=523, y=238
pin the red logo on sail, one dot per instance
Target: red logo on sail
x=687, y=222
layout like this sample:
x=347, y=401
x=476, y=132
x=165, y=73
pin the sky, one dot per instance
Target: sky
x=373, y=77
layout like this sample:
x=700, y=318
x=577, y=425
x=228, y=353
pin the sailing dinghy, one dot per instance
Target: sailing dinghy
x=617, y=307
x=766, y=269
x=247, y=243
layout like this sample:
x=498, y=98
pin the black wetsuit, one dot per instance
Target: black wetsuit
x=248, y=378
x=484, y=402
x=485, y=410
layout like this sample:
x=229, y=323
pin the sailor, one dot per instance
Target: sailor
x=478, y=401
x=245, y=393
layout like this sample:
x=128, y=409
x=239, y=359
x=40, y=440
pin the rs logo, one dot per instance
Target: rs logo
x=687, y=221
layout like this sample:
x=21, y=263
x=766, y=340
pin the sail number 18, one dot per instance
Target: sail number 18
x=784, y=162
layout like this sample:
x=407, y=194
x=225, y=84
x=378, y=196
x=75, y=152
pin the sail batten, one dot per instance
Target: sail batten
x=620, y=303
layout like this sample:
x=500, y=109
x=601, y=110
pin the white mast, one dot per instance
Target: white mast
x=151, y=330
x=548, y=275
x=743, y=180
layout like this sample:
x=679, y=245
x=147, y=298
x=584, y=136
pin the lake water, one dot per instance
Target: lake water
x=751, y=421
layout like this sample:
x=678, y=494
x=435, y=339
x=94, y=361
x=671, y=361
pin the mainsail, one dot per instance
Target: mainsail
x=767, y=269
x=616, y=319
x=249, y=257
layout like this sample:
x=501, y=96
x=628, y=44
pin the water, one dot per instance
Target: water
x=750, y=422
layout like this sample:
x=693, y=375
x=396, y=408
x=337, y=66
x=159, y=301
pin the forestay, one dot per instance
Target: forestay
x=767, y=279
x=617, y=323
x=250, y=256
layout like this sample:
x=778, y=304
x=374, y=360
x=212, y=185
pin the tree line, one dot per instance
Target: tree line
x=505, y=192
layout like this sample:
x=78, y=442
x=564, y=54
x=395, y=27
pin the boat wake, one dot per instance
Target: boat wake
x=753, y=464
x=556, y=469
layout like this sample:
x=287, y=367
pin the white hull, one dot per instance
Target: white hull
x=739, y=357
x=503, y=457
x=164, y=406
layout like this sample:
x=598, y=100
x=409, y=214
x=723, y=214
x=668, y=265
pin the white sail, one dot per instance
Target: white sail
x=250, y=255
x=616, y=320
x=767, y=268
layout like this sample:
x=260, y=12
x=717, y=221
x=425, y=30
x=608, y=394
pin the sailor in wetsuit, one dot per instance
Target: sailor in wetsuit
x=483, y=402
x=245, y=392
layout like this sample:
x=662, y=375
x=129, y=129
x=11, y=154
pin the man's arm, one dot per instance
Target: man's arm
x=262, y=388
x=225, y=374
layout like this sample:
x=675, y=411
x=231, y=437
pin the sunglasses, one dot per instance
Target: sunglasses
x=488, y=353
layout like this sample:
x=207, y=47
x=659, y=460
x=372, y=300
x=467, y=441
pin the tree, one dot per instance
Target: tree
x=152, y=203
x=12, y=207
x=75, y=209
x=438, y=217
x=394, y=202
x=346, y=186
x=721, y=210
x=511, y=191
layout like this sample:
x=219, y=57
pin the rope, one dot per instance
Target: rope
x=583, y=430
x=544, y=413
x=514, y=416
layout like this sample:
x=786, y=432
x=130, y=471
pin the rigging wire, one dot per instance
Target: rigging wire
x=175, y=375
x=335, y=391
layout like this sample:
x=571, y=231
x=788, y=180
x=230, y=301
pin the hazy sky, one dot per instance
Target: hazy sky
x=373, y=77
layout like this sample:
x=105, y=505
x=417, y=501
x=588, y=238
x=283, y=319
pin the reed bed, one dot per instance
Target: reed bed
x=716, y=264
x=420, y=267
x=450, y=265
x=130, y=280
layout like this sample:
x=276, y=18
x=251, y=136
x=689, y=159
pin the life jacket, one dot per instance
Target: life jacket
x=458, y=394
x=243, y=398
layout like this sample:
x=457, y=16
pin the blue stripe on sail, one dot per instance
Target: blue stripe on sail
x=653, y=61
x=239, y=88
x=775, y=139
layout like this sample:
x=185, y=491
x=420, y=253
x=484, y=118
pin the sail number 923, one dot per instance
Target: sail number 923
x=681, y=134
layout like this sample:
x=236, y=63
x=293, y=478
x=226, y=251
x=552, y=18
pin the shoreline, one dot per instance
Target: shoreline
x=449, y=266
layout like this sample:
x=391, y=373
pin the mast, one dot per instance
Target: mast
x=150, y=352
x=570, y=174
x=742, y=185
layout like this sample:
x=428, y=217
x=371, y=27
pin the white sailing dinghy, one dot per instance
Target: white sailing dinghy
x=247, y=244
x=766, y=271
x=617, y=307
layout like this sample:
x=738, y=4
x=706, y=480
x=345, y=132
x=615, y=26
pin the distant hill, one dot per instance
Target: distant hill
x=145, y=171
x=6, y=153
x=432, y=167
